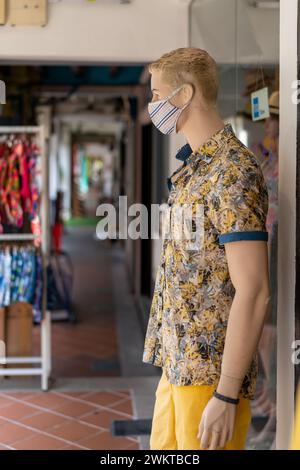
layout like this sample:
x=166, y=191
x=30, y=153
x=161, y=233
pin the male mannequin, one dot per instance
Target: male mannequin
x=190, y=311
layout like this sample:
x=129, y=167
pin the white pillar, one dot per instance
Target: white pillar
x=287, y=222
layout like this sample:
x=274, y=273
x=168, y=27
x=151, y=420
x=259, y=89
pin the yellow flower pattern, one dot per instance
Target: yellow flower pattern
x=193, y=291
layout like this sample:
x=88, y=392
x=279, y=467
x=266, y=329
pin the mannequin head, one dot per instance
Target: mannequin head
x=196, y=70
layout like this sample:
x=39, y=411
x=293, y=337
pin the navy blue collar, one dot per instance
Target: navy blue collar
x=184, y=152
x=205, y=151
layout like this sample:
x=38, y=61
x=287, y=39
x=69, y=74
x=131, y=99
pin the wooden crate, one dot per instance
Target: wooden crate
x=28, y=12
x=19, y=331
x=2, y=11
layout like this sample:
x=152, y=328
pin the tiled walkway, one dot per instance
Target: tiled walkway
x=64, y=420
x=88, y=348
x=84, y=350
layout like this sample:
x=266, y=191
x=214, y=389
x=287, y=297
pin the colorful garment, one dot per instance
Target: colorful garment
x=38, y=294
x=18, y=275
x=193, y=291
x=19, y=194
x=5, y=276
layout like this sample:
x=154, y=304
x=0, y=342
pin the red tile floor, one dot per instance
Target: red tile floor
x=64, y=420
x=86, y=349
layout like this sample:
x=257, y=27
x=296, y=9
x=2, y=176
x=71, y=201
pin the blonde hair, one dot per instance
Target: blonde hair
x=189, y=64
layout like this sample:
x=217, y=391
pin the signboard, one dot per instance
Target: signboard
x=260, y=104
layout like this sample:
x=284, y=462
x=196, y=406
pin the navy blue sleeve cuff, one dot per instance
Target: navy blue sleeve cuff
x=248, y=235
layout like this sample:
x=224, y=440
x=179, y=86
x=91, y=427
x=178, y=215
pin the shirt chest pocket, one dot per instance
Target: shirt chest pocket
x=186, y=226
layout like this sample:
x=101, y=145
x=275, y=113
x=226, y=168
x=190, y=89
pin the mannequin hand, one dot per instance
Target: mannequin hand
x=217, y=424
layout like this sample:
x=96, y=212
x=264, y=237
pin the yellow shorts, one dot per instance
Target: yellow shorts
x=177, y=414
x=295, y=441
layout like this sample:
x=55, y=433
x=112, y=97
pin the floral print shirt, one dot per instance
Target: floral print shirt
x=193, y=291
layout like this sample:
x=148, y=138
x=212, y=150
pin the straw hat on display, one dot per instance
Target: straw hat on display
x=274, y=103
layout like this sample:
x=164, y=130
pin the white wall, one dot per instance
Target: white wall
x=107, y=31
x=256, y=30
x=102, y=31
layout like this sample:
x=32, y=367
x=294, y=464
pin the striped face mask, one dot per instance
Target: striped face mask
x=165, y=115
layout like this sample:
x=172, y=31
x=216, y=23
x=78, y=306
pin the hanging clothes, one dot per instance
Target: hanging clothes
x=19, y=275
x=19, y=194
x=38, y=292
x=84, y=179
x=5, y=277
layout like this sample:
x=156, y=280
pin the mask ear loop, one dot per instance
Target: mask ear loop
x=167, y=98
x=186, y=104
x=175, y=91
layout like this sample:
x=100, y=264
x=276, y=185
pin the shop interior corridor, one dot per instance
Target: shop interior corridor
x=88, y=346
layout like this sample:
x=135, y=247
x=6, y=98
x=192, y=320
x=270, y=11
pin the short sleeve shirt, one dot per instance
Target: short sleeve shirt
x=193, y=291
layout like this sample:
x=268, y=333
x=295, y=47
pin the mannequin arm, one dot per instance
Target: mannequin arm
x=248, y=269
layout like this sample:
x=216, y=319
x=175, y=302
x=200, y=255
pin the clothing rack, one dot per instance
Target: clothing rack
x=44, y=360
x=17, y=237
